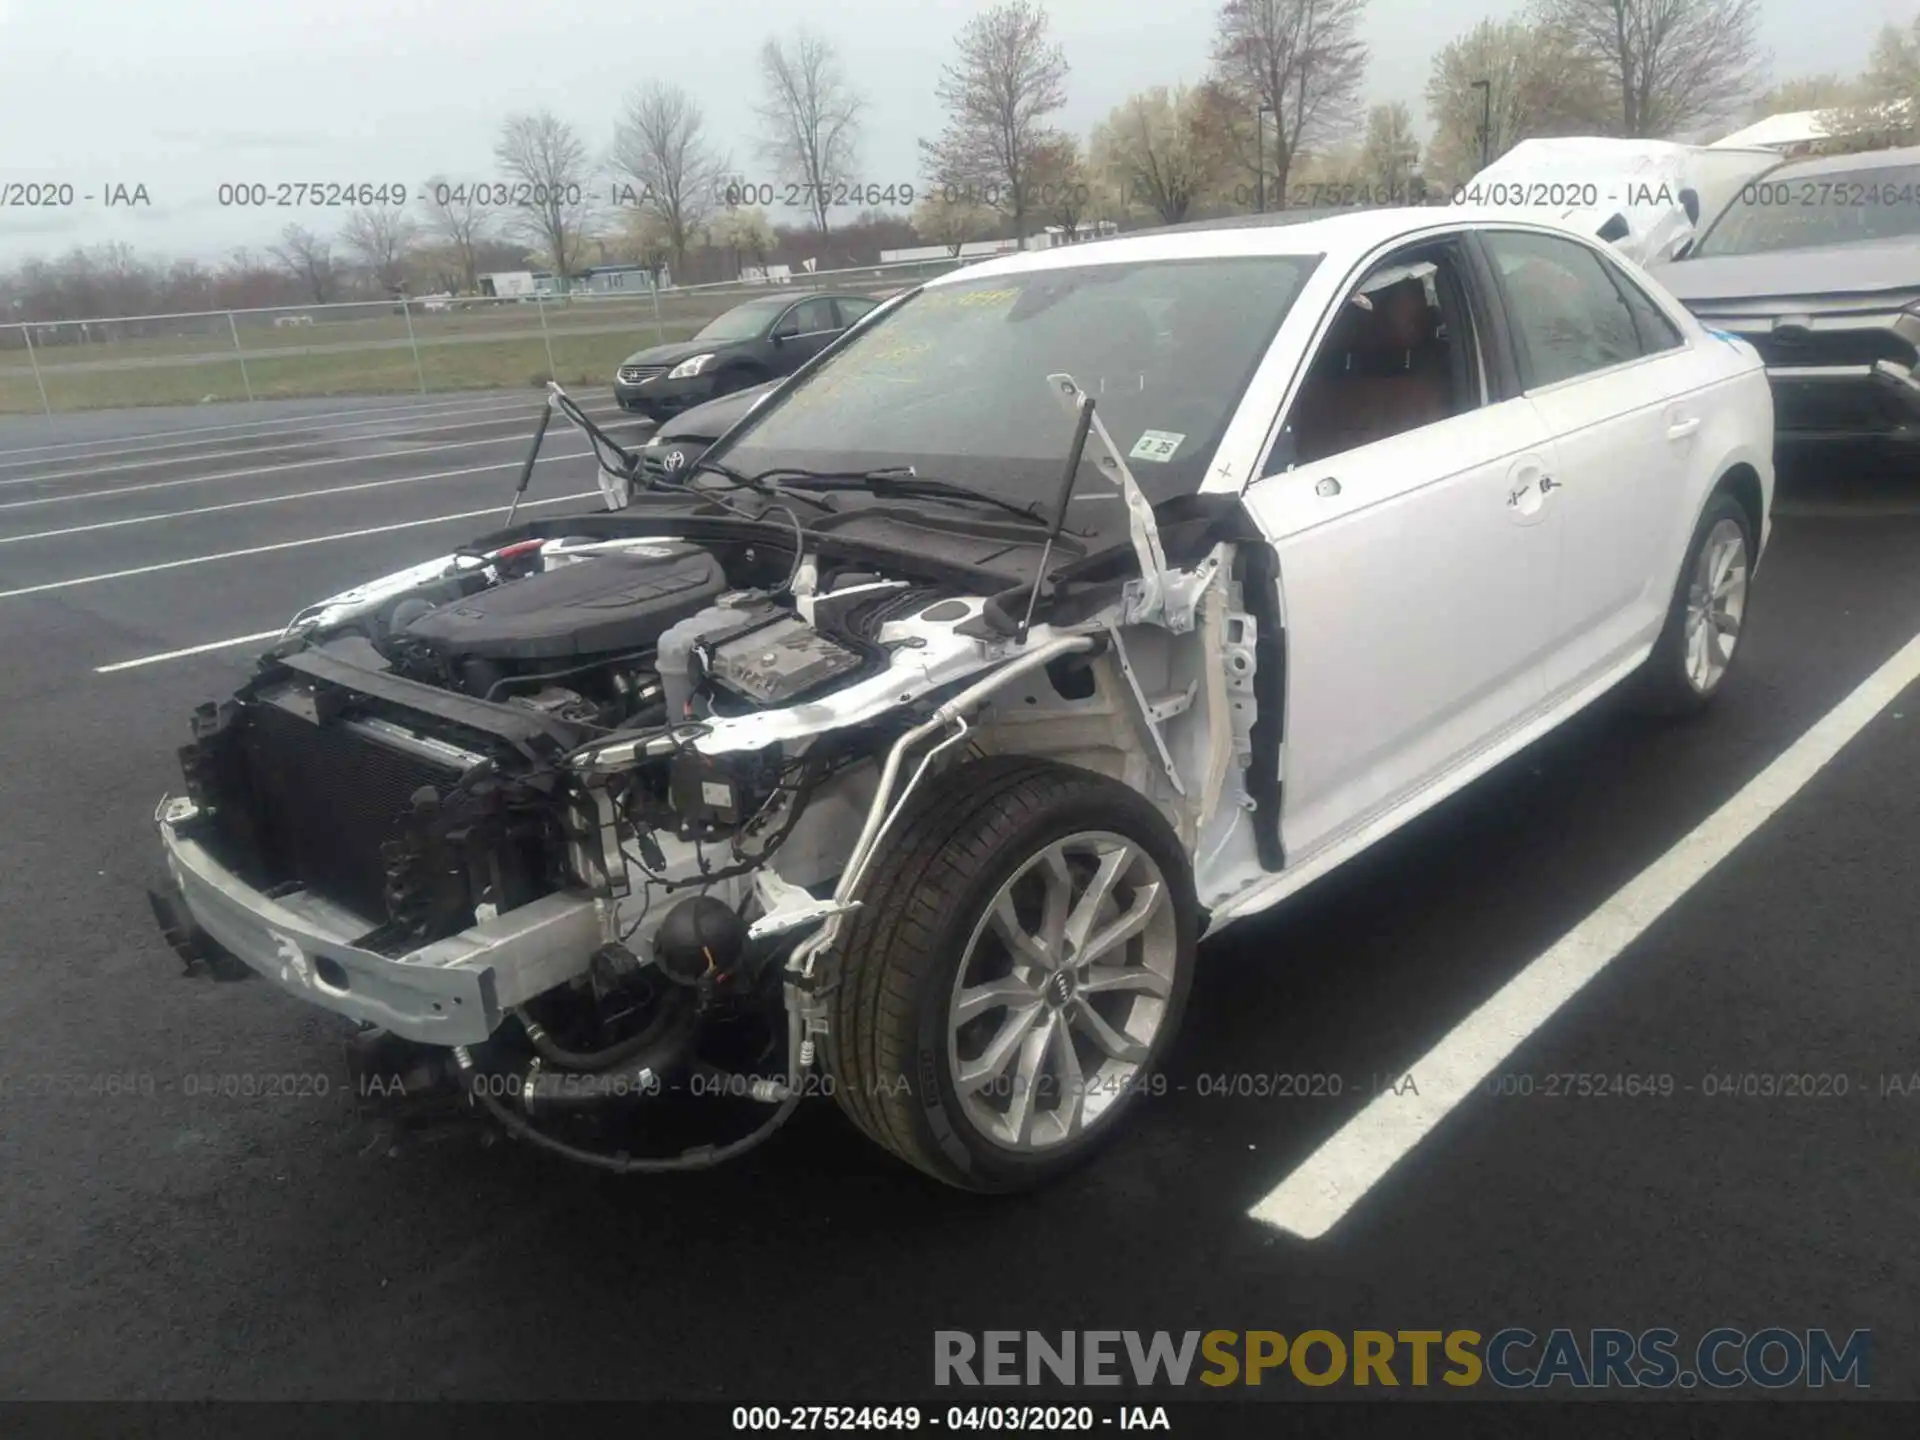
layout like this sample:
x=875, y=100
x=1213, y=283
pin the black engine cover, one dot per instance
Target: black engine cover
x=598, y=606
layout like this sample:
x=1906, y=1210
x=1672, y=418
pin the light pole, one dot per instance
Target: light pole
x=1260, y=157
x=1485, y=87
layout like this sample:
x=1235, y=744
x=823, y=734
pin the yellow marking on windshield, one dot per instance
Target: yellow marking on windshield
x=967, y=299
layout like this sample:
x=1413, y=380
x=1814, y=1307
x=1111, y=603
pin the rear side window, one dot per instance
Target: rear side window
x=1657, y=333
x=1569, y=318
x=852, y=310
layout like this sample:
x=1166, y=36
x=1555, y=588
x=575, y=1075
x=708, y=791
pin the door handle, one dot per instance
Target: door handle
x=1546, y=485
x=1680, y=429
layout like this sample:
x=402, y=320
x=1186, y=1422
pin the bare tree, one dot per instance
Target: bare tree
x=549, y=179
x=1672, y=65
x=660, y=146
x=1298, y=61
x=1008, y=78
x=1389, y=155
x=456, y=216
x=309, y=259
x=812, y=119
x=1809, y=92
x=1891, y=85
x=1157, y=152
x=950, y=221
x=380, y=237
x=1539, y=85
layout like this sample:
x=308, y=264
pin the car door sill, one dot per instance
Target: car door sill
x=1343, y=847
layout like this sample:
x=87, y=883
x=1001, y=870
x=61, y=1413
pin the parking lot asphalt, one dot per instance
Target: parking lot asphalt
x=178, y=1244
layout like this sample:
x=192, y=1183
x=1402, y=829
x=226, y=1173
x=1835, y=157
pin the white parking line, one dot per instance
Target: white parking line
x=400, y=436
x=248, y=473
x=214, y=435
x=473, y=400
x=1332, y=1180
x=500, y=510
x=211, y=645
x=283, y=499
x=363, y=435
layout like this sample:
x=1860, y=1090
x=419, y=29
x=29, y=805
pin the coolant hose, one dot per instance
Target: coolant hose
x=667, y=1023
x=700, y=1157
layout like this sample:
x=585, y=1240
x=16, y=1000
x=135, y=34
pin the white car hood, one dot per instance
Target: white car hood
x=1639, y=180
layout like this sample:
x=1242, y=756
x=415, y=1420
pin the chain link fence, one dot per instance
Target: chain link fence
x=420, y=346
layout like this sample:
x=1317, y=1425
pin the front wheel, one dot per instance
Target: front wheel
x=1706, y=616
x=1015, y=973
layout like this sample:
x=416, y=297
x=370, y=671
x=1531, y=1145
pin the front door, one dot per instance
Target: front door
x=1416, y=542
x=804, y=331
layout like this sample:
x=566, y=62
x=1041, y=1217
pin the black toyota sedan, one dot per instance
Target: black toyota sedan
x=751, y=344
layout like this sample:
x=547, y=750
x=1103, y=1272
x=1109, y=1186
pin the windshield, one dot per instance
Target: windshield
x=743, y=322
x=953, y=381
x=1834, y=208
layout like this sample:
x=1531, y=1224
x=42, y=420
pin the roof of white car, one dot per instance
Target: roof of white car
x=1349, y=233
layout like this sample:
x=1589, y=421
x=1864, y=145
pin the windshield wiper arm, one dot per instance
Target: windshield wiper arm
x=899, y=481
x=760, y=484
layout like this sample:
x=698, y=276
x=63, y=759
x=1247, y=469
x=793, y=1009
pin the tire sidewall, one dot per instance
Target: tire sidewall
x=1669, y=671
x=979, y=1163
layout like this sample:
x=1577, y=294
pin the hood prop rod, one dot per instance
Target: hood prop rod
x=526, y=470
x=1083, y=424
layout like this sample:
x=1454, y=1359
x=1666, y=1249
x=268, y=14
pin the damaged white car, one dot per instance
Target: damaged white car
x=903, y=749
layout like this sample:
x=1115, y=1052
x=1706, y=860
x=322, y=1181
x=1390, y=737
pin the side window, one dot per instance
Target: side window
x=1399, y=355
x=808, y=317
x=1658, y=334
x=852, y=310
x=1568, y=317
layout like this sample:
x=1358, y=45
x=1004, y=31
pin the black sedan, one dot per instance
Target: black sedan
x=751, y=344
x=684, y=439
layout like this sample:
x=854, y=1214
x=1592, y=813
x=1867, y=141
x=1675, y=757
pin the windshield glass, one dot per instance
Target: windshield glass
x=1834, y=208
x=743, y=322
x=953, y=381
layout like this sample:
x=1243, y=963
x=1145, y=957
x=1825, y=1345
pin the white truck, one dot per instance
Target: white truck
x=508, y=284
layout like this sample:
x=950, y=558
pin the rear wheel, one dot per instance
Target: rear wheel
x=1015, y=974
x=1706, y=616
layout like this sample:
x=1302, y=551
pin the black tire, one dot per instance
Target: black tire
x=1663, y=686
x=965, y=836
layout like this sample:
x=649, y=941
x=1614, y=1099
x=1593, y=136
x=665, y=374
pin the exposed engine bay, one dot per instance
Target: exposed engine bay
x=569, y=823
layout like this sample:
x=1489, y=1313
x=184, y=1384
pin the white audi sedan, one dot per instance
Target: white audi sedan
x=903, y=747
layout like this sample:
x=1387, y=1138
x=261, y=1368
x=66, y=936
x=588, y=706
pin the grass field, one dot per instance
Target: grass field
x=357, y=350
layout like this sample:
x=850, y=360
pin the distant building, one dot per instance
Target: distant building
x=1044, y=239
x=625, y=279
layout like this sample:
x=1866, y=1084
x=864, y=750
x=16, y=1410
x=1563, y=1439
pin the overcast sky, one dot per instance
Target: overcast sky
x=181, y=97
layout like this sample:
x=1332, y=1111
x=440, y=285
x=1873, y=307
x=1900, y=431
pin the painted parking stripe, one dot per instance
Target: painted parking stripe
x=1332, y=1180
x=499, y=510
x=207, y=648
x=395, y=441
x=256, y=470
x=293, y=422
x=84, y=468
x=134, y=445
x=283, y=499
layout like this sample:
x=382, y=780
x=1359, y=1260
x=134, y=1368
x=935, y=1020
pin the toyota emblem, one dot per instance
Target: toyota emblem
x=675, y=459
